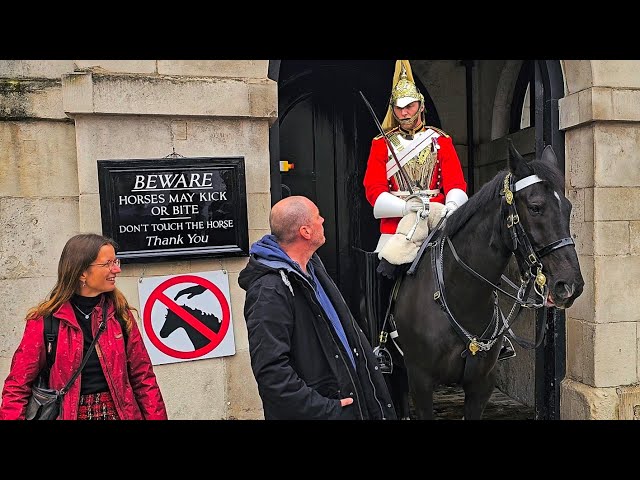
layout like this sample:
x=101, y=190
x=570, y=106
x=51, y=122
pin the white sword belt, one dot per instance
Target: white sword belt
x=426, y=193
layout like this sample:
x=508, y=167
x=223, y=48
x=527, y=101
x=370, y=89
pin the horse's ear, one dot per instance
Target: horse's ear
x=517, y=164
x=549, y=156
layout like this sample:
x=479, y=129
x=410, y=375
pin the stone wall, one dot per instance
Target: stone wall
x=57, y=118
x=601, y=115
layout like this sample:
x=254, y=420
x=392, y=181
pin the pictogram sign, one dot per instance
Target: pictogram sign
x=186, y=317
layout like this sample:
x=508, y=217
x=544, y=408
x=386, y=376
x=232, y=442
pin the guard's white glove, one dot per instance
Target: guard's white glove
x=413, y=204
x=448, y=209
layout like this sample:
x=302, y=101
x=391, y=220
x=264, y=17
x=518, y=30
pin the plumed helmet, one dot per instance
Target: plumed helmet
x=403, y=92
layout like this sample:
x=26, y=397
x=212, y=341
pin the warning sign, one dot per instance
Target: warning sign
x=186, y=317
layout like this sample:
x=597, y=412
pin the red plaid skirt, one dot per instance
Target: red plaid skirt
x=97, y=406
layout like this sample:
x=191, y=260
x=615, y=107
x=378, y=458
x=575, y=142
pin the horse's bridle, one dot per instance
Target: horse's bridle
x=522, y=247
x=532, y=276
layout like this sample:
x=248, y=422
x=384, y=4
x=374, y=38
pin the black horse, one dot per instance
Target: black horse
x=449, y=322
x=173, y=321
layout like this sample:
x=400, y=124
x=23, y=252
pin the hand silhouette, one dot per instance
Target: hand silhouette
x=191, y=291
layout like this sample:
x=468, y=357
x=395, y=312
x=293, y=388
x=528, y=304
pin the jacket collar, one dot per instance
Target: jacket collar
x=66, y=312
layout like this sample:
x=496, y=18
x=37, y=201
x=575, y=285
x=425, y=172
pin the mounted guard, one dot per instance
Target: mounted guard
x=413, y=180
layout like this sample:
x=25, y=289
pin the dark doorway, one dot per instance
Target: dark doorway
x=325, y=130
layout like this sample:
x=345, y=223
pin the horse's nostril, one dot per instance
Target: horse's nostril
x=563, y=290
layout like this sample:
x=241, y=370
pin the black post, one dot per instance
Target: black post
x=471, y=187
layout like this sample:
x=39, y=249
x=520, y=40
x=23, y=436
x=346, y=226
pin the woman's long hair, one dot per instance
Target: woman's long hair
x=78, y=253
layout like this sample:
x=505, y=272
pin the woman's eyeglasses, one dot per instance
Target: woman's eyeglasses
x=110, y=264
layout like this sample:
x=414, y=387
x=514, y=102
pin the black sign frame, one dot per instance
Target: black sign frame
x=181, y=173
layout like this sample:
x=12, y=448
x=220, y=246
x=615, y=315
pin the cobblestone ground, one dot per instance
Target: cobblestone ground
x=448, y=404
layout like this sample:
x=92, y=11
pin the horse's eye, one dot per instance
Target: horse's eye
x=535, y=209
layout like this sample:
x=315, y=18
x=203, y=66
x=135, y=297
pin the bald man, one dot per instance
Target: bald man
x=310, y=358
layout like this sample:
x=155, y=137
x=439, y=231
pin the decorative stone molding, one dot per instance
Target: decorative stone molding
x=601, y=104
x=108, y=94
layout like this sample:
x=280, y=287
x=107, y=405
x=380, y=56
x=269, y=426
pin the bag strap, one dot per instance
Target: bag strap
x=101, y=328
x=51, y=326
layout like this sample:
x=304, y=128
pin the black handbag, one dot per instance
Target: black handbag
x=46, y=403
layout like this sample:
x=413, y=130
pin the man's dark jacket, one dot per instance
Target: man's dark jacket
x=300, y=365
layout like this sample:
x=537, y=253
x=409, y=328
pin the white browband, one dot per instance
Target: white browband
x=526, y=181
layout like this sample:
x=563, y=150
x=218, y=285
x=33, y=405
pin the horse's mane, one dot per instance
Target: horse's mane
x=490, y=190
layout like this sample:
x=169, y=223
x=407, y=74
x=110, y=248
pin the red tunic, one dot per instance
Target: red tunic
x=447, y=177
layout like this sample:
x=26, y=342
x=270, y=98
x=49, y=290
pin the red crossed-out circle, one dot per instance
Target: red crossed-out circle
x=158, y=295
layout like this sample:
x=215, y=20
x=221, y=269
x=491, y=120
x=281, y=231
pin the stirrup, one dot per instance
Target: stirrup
x=385, y=362
x=506, y=351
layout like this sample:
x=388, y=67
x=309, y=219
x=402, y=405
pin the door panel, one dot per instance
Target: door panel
x=326, y=131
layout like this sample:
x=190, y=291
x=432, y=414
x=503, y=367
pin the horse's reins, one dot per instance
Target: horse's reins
x=532, y=277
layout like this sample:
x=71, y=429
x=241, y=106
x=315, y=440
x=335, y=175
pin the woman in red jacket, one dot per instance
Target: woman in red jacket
x=117, y=382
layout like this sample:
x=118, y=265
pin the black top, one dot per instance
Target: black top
x=92, y=376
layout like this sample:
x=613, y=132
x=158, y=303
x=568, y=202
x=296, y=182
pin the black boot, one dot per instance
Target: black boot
x=507, y=350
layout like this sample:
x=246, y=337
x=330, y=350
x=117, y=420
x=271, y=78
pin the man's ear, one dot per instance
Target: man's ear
x=305, y=232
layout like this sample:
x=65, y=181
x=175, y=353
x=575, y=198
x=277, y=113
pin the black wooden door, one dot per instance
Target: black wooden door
x=325, y=130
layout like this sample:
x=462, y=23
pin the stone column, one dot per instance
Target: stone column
x=149, y=109
x=601, y=117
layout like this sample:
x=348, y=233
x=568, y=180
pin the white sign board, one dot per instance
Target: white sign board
x=186, y=317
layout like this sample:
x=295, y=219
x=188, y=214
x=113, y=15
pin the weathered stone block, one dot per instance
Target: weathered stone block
x=622, y=203
x=581, y=402
x=17, y=296
x=616, y=155
x=35, y=68
x=257, y=234
x=616, y=354
x=90, y=214
x=611, y=238
x=215, y=68
x=129, y=288
x=167, y=95
x=634, y=237
x=194, y=390
x=576, y=197
x=24, y=98
x=618, y=281
x=258, y=208
x=629, y=402
x=263, y=100
x=626, y=104
x=578, y=75
x=601, y=104
x=579, y=157
x=38, y=159
x=616, y=73
x=120, y=66
x=580, y=346
x=588, y=204
x=32, y=234
x=244, y=402
x=145, y=270
x=77, y=93
x=569, y=112
x=584, y=307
